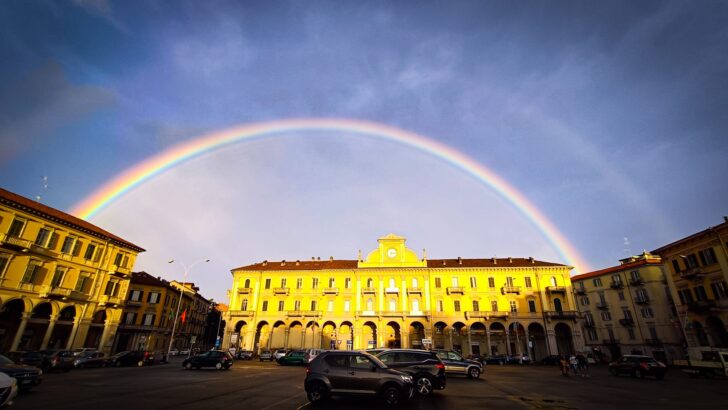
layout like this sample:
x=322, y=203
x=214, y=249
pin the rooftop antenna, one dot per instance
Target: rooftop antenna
x=44, y=187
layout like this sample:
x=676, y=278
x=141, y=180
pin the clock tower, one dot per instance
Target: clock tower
x=392, y=252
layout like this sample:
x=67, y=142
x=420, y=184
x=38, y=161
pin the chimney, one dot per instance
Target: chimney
x=444, y=262
x=530, y=258
x=460, y=260
x=265, y=262
x=331, y=258
x=313, y=258
x=298, y=262
x=495, y=261
x=725, y=218
x=510, y=260
x=283, y=262
x=318, y=258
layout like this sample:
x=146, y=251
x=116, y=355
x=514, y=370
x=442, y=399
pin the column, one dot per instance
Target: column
x=551, y=341
x=487, y=337
x=270, y=338
x=303, y=336
x=508, y=341
x=105, y=335
x=72, y=335
x=21, y=330
x=404, y=336
x=470, y=344
x=403, y=292
x=285, y=338
x=49, y=332
x=450, y=332
x=528, y=343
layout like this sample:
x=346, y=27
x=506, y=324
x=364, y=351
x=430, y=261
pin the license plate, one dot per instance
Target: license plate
x=28, y=381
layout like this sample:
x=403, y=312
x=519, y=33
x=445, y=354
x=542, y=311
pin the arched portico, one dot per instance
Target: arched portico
x=63, y=329
x=278, y=335
x=416, y=334
x=329, y=336
x=537, y=341
x=716, y=330
x=564, y=339
x=517, y=339
x=498, y=339
x=38, y=324
x=459, y=337
x=478, y=339
x=262, y=335
x=369, y=335
x=296, y=333
x=345, y=336
x=13, y=319
x=95, y=330
x=392, y=335
x=439, y=337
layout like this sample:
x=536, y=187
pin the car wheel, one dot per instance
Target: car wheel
x=638, y=374
x=228, y=367
x=218, y=366
x=188, y=366
x=424, y=386
x=117, y=364
x=316, y=393
x=613, y=371
x=391, y=395
x=474, y=373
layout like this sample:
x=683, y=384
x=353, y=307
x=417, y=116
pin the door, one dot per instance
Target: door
x=337, y=371
x=456, y=363
x=363, y=374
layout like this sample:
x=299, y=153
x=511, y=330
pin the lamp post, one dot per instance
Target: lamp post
x=181, y=295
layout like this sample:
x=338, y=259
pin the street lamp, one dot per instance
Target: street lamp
x=181, y=295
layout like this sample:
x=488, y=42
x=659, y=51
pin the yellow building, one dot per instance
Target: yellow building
x=395, y=298
x=698, y=279
x=150, y=311
x=62, y=280
x=626, y=309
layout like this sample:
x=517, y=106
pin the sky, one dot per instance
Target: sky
x=610, y=117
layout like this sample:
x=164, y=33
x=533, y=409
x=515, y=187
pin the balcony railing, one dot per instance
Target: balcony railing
x=109, y=300
x=653, y=342
x=510, y=289
x=241, y=313
x=700, y=306
x=455, y=289
x=641, y=300
x=562, y=314
x=119, y=270
x=580, y=291
x=476, y=314
x=589, y=323
x=244, y=291
x=369, y=291
x=331, y=291
x=133, y=303
x=418, y=313
x=626, y=322
x=691, y=273
x=413, y=291
x=498, y=315
x=616, y=284
x=603, y=305
x=556, y=289
x=78, y=295
x=391, y=290
x=43, y=251
x=303, y=313
x=26, y=286
x=636, y=281
x=392, y=313
x=15, y=241
x=280, y=291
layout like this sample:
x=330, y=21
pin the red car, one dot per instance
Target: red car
x=638, y=366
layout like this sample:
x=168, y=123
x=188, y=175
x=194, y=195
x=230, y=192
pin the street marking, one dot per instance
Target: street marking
x=302, y=406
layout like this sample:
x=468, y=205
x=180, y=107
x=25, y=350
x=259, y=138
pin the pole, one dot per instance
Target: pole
x=219, y=322
x=179, y=303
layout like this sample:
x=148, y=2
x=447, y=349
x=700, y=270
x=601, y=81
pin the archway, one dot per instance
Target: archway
x=10, y=317
x=537, y=341
x=312, y=336
x=700, y=335
x=278, y=336
x=37, y=326
x=262, y=335
x=416, y=334
x=328, y=336
x=95, y=330
x=241, y=328
x=296, y=334
x=458, y=336
x=62, y=331
x=498, y=339
x=478, y=339
x=517, y=339
x=392, y=335
x=369, y=335
x=438, y=338
x=346, y=336
x=717, y=332
x=564, y=340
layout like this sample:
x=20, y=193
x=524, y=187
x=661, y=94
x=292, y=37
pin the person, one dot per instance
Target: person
x=583, y=365
x=573, y=363
x=564, y=364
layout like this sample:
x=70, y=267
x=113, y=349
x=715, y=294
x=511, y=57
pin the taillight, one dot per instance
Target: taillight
x=441, y=366
x=308, y=370
x=644, y=366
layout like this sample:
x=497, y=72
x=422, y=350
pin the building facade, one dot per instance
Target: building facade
x=393, y=298
x=698, y=273
x=62, y=280
x=627, y=309
x=151, y=310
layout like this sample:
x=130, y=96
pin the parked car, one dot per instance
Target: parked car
x=218, y=359
x=638, y=366
x=311, y=354
x=294, y=357
x=266, y=355
x=31, y=358
x=245, y=355
x=26, y=376
x=551, y=360
x=518, y=359
x=280, y=353
x=457, y=364
x=426, y=369
x=374, y=352
x=344, y=372
x=184, y=352
x=77, y=352
x=496, y=359
x=90, y=359
x=174, y=352
x=57, y=360
x=8, y=389
x=131, y=358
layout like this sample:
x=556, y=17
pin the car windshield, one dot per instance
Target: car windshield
x=376, y=360
x=5, y=360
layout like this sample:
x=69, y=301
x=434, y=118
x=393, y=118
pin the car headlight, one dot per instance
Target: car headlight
x=406, y=379
x=40, y=372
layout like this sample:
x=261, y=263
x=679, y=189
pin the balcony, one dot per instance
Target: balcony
x=78, y=295
x=455, y=289
x=108, y=300
x=641, y=300
x=331, y=291
x=244, y=291
x=580, y=291
x=43, y=251
x=280, y=291
x=616, y=284
x=241, y=313
x=626, y=322
x=562, y=315
x=414, y=291
x=418, y=313
x=392, y=313
x=119, y=271
x=391, y=290
x=691, y=273
x=498, y=315
x=15, y=242
x=369, y=291
x=133, y=303
x=55, y=291
x=602, y=306
x=303, y=313
x=701, y=306
x=556, y=289
x=636, y=281
x=28, y=287
x=653, y=342
x=476, y=314
x=511, y=289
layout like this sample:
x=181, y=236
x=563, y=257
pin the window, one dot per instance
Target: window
x=597, y=282
x=68, y=244
x=456, y=305
x=112, y=288
x=332, y=282
x=414, y=283
x=635, y=274
x=130, y=318
x=82, y=282
x=554, y=282
x=30, y=272
x=119, y=257
x=647, y=312
x=620, y=295
x=392, y=283
x=630, y=333
x=244, y=305
x=617, y=279
x=415, y=305
x=44, y=235
x=642, y=295
x=602, y=299
x=16, y=228
x=370, y=305
x=691, y=261
x=135, y=295
x=685, y=295
x=314, y=283
x=491, y=282
x=154, y=298
x=370, y=283
x=532, y=306
x=297, y=305
x=606, y=316
x=476, y=306
x=527, y=279
x=585, y=301
x=247, y=283
x=440, y=306
x=676, y=266
x=557, y=305
x=653, y=332
x=473, y=282
x=707, y=256
x=589, y=319
x=509, y=281
x=514, y=306
x=299, y=283
x=347, y=305
x=592, y=333
x=58, y=275
x=90, y=251
x=720, y=290
x=330, y=306
x=264, y=308
x=700, y=293
x=347, y=283
x=313, y=305
x=610, y=331
x=454, y=281
x=267, y=283
x=148, y=319
x=283, y=282
x=627, y=313
x=281, y=305
x=494, y=305
x=438, y=283
x=392, y=305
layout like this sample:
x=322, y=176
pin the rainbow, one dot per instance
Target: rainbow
x=175, y=155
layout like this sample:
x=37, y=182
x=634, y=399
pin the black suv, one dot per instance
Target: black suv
x=426, y=369
x=347, y=372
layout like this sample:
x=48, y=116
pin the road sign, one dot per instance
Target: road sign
x=234, y=338
x=193, y=339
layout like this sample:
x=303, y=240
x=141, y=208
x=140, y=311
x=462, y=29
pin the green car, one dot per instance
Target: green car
x=295, y=357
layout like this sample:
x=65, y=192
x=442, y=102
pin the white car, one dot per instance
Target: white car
x=174, y=352
x=184, y=352
x=279, y=353
x=8, y=389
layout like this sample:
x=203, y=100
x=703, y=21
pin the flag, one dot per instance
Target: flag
x=184, y=316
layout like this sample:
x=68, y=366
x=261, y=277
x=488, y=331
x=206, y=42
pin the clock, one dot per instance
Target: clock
x=391, y=252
